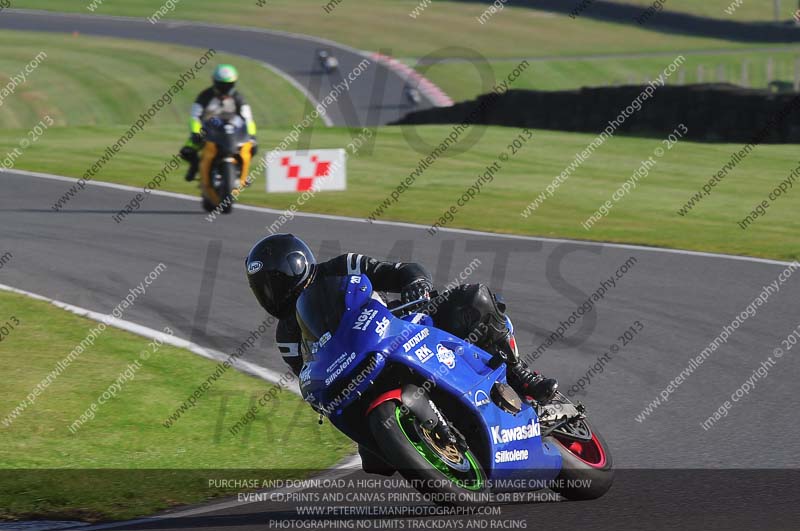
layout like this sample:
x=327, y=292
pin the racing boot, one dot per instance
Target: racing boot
x=527, y=384
x=189, y=154
x=531, y=384
x=191, y=172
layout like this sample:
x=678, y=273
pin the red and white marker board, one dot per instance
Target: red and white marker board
x=302, y=171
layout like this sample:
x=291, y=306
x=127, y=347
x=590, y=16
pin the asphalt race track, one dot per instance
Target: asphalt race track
x=682, y=300
x=294, y=54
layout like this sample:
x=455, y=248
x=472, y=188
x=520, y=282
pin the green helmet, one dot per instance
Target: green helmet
x=225, y=77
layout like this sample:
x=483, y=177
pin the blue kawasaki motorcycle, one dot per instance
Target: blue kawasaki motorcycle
x=434, y=407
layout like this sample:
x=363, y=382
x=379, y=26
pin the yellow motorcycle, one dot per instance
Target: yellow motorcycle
x=225, y=161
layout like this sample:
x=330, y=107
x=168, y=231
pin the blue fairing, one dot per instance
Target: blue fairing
x=348, y=360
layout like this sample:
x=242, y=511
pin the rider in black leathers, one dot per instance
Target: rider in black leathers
x=220, y=98
x=279, y=267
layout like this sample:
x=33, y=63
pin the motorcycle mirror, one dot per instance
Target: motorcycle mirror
x=357, y=292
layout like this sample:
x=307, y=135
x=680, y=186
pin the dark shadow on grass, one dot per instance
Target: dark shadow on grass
x=663, y=21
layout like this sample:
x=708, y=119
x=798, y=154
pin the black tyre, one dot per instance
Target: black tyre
x=372, y=463
x=227, y=175
x=587, y=471
x=208, y=206
x=445, y=475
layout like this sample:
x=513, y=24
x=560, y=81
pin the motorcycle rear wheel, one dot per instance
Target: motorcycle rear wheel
x=587, y=468
x=444, y=474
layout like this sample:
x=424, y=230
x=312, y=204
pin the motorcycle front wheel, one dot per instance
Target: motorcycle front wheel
x=227, y=175
x=443, y=473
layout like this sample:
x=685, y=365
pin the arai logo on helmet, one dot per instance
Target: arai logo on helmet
x=254, y=267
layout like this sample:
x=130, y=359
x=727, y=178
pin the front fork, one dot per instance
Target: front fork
x=415, y=400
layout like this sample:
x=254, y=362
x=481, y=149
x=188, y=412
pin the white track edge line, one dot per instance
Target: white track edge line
x=250, y=368
x=342, y=468
x=149, y=333
x=197, y=23
x=267, y=210
x=269, y=66
x=296, y=84
x=182, y=22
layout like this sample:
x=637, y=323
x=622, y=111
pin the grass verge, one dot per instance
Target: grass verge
x=648, y=215
x=462, y=81
x=100, y=81
x=387, y=25
x=124, y=463
x=739, y=10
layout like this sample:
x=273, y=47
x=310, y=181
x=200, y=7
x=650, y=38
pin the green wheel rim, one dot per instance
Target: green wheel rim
x=433, y=458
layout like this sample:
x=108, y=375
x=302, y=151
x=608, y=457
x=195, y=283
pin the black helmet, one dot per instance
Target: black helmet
x=278, y=268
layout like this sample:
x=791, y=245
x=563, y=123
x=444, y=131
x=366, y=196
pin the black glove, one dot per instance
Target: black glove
x=198, y=139
x=188, y=154
x=419, y=289
x=253, y=147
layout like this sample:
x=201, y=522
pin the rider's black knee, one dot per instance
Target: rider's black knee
x=474, y=313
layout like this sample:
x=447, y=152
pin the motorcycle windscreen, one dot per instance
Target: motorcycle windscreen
x=320, y=309
x=227, y=130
